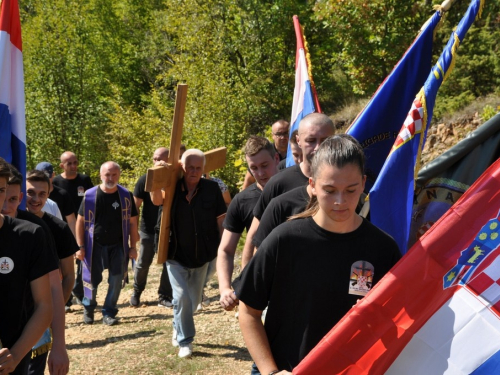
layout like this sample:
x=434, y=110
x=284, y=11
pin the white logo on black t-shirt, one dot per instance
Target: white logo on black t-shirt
x=361, y=280
x=115, y=205
x=6, y=265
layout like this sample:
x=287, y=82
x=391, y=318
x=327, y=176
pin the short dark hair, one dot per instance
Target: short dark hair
x=37, y=176
x=256, y=144
x=4, y=169
x=293, y=137
x=16, y=178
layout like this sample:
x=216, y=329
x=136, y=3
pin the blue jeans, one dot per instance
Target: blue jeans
x=254, y=370
x=187, y=287
x=111, y=258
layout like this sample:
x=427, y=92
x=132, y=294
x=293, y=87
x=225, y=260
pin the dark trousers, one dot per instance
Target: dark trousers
x=146, y=255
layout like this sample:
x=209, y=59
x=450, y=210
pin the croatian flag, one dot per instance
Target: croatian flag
x=305, y=100
x=12, y=116
x=377, y=125
x=391, y=197
x=438, y=310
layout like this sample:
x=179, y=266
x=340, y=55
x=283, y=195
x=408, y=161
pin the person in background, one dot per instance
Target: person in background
x=262, y=161
x=280, y=132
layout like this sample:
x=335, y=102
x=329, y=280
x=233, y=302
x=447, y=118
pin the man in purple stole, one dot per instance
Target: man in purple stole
x=107, y=220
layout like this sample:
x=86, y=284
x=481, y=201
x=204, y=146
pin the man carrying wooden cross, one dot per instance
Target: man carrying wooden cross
x=197, y=213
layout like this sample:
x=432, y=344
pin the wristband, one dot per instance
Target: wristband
x=274, y=372
x=81, y=246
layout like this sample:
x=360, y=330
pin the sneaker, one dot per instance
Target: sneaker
x=109, y=321
x=174, y=338
x=76, y=301
x=164, y=302
x=88, y=317
x=186, y=351
x=67, y=309
x=199, y=307
x=135, y=300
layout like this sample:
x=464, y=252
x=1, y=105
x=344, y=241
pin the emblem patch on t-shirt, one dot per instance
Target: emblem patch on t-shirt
x=81, y=191
x=361, y=280
x=6, y=265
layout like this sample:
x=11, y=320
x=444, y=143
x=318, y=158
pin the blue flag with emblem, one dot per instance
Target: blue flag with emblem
x=378, y=124
x=391, y=196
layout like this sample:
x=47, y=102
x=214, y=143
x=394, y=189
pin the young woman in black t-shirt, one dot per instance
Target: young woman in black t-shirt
x=311, y=270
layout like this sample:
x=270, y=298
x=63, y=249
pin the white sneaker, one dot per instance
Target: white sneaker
x=199, y=307
x=186, y=351
x=205, y=301
x=174, y=338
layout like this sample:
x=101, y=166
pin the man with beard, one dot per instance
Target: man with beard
x=107, y=220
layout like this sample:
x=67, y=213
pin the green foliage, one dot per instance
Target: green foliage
x=488, y=112
x=371, y=35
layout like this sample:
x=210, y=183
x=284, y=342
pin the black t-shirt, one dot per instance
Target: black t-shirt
x=76, y=188
x=63, y=237
x=63, y=201
x=280, y=183
x=282, y=165
x=23, y=258
x=305, y=274
x=240, y=211
x=195, y=234
x=108, y=217
x=279, y=210
x=49, y=238
x=149, y=214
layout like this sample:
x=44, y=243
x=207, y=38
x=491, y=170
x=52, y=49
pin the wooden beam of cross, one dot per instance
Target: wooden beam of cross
x=166, y=178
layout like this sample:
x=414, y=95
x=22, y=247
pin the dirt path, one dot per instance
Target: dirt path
x=141, y=342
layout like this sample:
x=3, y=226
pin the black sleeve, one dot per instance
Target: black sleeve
x=270, y=220
x=87, y=183
x=221, y=207
x=258, y=276
x=139, y=188
x=233, y=222
x=134, y=208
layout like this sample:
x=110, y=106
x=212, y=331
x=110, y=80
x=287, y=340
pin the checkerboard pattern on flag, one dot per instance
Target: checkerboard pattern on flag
x=12, y=111
x=412, y=124
x=391, y=197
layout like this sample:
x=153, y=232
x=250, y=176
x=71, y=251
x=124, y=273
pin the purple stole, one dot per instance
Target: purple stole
x=89, y=209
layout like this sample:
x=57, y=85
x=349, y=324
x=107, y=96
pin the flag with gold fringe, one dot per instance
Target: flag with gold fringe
x=391, y=197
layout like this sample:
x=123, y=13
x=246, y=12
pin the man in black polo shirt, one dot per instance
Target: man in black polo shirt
x=198, y=211
x=149, y=217
x=24, y=269
x=262, y=161
x=313, y=130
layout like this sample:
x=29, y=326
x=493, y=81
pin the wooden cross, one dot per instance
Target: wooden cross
x=166, y=177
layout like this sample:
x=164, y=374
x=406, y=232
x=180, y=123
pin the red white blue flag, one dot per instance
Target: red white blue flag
x=12, y=114
x=438, y=310
x=391, y=197
x=305, y=100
